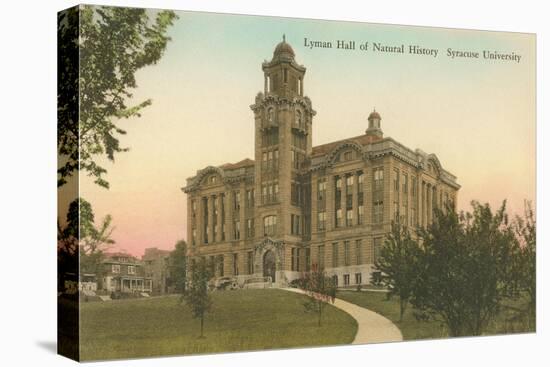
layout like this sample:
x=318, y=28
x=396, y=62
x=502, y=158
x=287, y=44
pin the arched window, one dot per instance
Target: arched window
x=270, y=114
x=270, y=225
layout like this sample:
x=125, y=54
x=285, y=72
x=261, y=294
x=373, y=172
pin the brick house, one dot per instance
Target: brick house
x=124, y=273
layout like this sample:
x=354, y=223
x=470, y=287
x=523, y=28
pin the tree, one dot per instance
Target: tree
x=100, y=50
x=526, y=234
x=397, y=263
x=320, y=289
x=196, y=295
x=465, y=265
x=81, y=236
x=178, y=266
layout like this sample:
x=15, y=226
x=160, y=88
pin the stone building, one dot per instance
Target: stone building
x=297, y=205
x=156, y=266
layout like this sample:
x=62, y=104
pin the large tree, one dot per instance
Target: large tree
x=465, y=268
x=197, y=295
x=398, y=263
x=100, y=50
x=178, y=266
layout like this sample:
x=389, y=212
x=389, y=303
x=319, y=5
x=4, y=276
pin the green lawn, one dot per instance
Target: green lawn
x=414, y=330
x=240, y=320
x=410, y=327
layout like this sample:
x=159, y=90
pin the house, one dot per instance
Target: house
x=124, y=273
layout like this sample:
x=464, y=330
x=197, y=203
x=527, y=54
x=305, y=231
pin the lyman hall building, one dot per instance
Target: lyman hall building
x=297, y=205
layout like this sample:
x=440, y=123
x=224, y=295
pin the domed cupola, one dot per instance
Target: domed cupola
x=374, y=128
x=283, y=76
x=283, y=51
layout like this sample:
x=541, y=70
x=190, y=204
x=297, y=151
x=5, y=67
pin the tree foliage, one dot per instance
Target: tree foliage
x=178, y=266
x=320, y=290
x=526, y=233
x=398, y=264
x=465, y=268
x=112, y=43
x=196, y=295
x=81, y=239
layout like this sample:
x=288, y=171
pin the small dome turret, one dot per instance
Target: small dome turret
x=374, y=128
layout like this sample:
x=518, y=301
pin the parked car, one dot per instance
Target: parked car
x=224, y=283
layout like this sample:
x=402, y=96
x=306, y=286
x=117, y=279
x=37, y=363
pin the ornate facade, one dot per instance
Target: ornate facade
x=297, y=205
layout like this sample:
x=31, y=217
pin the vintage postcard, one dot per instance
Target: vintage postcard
x=236, y=183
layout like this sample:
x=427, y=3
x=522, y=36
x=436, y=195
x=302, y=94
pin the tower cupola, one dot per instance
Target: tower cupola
x=374, y=128
x=282, y=75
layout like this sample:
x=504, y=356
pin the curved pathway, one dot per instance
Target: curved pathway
x=371, y=326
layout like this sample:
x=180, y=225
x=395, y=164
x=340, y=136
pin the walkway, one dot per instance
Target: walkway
x=371, y=326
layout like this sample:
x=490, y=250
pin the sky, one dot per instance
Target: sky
x=476, y=115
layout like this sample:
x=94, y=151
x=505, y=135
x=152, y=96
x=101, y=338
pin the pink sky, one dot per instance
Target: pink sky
x=477, y=117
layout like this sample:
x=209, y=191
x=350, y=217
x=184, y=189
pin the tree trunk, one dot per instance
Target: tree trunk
x=202, y=326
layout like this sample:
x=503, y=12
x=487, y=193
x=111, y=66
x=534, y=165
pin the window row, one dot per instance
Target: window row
x=270, y=160
x=270, y=193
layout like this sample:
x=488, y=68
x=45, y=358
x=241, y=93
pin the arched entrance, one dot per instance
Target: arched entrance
x=269, y=265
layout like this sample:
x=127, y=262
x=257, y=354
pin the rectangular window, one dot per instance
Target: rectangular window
x=339, y=218
x=235, y=264
x=276, y=193
x=378, y=174
x=347, y=261
x=237, y=198
x=358, y=252
x=194, y=236
x=250, y=262
x=321, y=221
x=321, y=189
x=308, y=259
x=349, y=182
x=115, y=269
x=270, y=225
x=249, y=198
x=264, y=161
x=349, y=217
x=293, y=259
x=360, y=214
x=295, y=224
x=358, y=278
x=250, y=228
x=378, y=211
x=396, y=180
x=321, y=257
x=237, y=230
x=337, y=192
x=346, y=279
x=335, y=255
x=360, y=181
